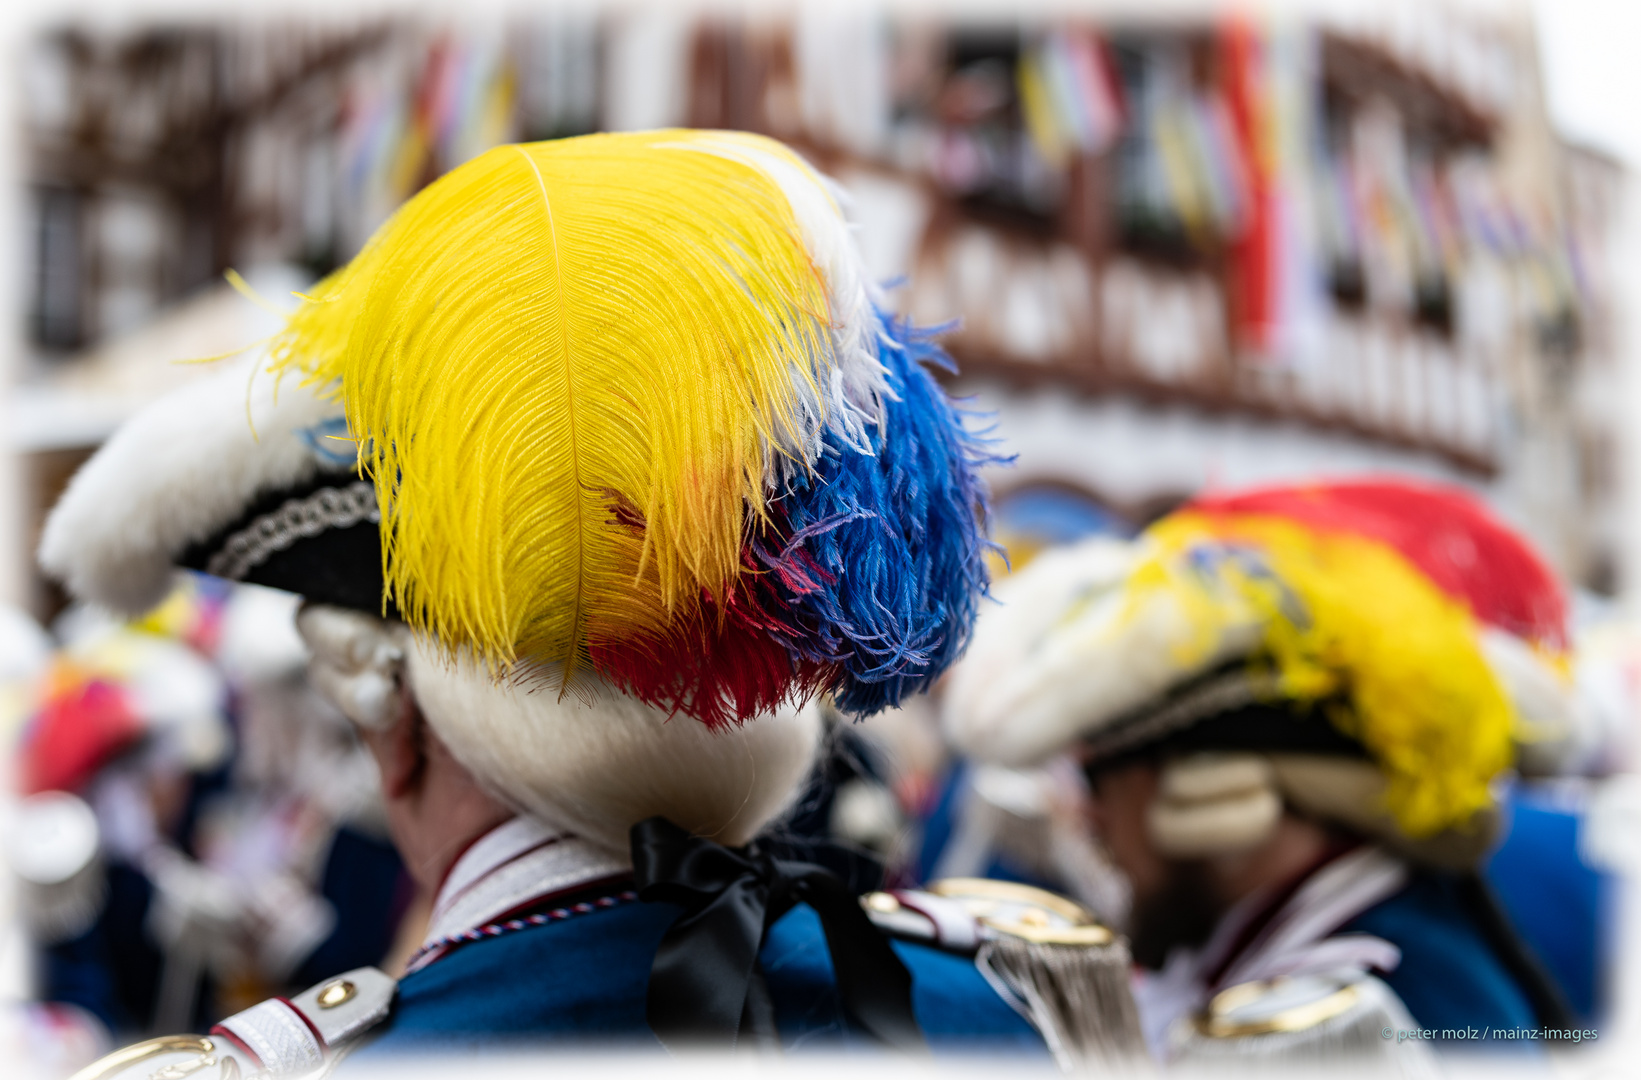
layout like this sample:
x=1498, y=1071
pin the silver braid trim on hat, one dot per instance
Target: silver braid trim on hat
x=298, y=519
x=1232, y=690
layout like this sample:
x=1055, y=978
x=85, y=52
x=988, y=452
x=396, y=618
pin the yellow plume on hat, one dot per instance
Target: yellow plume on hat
x=1350, y=618
x=571, y=367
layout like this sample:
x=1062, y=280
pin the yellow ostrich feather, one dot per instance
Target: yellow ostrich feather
x=566, y=364
x=1373, y=630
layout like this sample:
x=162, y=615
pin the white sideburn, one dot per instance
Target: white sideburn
x=594, y=767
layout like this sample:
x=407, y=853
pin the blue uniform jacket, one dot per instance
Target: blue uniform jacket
x=1449, y=977
x=581, y=983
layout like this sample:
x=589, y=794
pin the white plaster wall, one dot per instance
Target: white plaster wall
x=1130, y=452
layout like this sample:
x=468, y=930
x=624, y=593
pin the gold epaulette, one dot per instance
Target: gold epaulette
x=1276, y=1005
x=1045, y=955
x=961, y=914
x=1342, y=1017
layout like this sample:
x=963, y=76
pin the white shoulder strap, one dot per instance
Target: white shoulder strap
x=278, y=1039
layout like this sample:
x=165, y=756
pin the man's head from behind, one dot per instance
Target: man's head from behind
x=458, y=748
x=1265, y=677
x=596, y=461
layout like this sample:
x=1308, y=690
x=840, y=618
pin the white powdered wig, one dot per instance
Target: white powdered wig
x=1062, y=653
x=173, y=475
x=598, y=768
x=1213, y=804
x=857, y=385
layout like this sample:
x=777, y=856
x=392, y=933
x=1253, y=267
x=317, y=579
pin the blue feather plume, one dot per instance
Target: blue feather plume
x=879, y=560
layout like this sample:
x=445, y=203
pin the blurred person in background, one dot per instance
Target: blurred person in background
x=595, y=460
x=129, y=721
x=298, y=816
x=1295, y=707
x=225, y=817
x=1027, y=824
x=56, y=1037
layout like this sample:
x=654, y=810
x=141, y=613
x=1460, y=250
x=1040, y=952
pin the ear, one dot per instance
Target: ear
x=400, y=748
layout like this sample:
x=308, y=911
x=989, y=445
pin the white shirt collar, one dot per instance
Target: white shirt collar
x=508, y=867
x=1296, y=940
x=1329, y=899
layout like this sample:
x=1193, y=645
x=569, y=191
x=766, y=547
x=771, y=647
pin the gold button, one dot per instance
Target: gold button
x=335, y=993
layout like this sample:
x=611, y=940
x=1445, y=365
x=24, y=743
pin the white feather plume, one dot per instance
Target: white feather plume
x=175, y=474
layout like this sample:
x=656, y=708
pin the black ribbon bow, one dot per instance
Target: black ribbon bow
x=704, y=968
